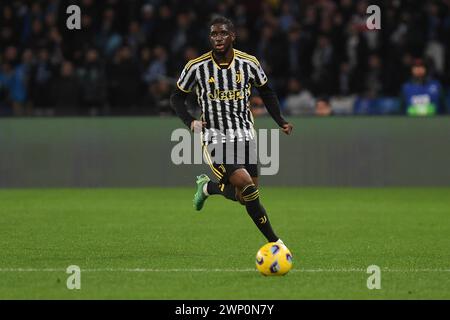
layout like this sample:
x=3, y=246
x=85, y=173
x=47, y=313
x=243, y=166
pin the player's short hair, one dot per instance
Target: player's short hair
x=222, y=20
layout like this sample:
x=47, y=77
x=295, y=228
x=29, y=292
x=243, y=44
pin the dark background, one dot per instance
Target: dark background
x=128, y=54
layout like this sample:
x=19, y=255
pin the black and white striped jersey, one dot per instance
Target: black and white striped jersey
x=223, y=94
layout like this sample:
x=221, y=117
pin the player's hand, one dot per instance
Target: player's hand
x=287, y=128
x=197, y=125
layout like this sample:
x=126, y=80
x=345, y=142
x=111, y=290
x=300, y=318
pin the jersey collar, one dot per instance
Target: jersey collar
x=218, y=66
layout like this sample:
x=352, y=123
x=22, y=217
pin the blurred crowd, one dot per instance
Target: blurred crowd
x=319, y=54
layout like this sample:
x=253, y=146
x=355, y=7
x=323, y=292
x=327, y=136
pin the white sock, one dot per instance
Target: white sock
x=205, y=189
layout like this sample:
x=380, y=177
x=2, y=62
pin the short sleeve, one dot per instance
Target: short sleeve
x=259, y=74
x=187, y=79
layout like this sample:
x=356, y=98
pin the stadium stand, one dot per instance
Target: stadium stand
x=128, y=53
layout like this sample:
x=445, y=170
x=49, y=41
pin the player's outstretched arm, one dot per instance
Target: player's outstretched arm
x=272, y=104
x=177, y=100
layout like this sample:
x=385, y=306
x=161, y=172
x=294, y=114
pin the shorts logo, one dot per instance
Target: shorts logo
x=211, y=80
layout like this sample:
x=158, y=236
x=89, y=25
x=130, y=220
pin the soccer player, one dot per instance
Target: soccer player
x=222, y=79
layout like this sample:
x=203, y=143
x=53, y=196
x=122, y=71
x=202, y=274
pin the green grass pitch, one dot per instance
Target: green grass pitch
x=151, y=244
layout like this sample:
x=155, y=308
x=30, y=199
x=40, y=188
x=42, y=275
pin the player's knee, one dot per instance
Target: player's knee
x=240, y=178
x=249, y=193
x=239, y=197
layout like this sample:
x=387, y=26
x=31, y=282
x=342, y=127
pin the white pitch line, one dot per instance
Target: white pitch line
x=337, y=270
